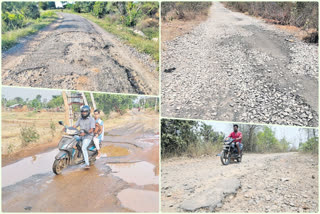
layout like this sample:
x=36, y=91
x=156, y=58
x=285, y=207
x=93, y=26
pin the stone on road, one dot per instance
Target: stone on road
x=211, y=197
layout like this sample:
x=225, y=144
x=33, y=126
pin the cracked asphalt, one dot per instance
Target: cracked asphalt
x=75, y=53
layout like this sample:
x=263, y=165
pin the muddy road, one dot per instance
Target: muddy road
x=234, y=67
x=75, y=53
x=286, y=182
x=125, y=178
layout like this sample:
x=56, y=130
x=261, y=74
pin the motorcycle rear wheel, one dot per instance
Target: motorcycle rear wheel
x=58, y=166
x=225, y=160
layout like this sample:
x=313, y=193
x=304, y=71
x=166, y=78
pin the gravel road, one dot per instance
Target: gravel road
x=75, y=53
x=234, y=67
x=283, y=182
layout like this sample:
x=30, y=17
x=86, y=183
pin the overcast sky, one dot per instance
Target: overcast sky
x=31, y=93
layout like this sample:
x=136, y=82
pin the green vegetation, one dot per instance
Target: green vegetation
x=300, y=14
x=184, y=10
x=193, y=138
x=20, y=19
x=119, y=103
x=28, y=135
x=137, y=23
x=36, y=103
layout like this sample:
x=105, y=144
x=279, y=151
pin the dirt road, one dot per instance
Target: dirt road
x=124, y=179
x=234, y=67
x=286, y=182
x=75, y=53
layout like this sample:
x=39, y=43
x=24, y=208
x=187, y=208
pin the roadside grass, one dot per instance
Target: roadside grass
x=10, y=38
x=18, y=124
x=126, y=34
x=197, y=150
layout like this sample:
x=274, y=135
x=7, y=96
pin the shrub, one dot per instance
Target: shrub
x=99, y=9
x=31, y=11
x=52, y=128
x=76, y=8
x=28, y=135
x=43, y=5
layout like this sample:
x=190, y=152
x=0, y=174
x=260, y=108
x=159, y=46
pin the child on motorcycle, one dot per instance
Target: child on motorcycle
x=98, y=131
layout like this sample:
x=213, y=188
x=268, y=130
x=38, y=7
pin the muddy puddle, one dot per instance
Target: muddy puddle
x=139, y=200
x=25, y=168
x=140, y=173
x=114, y=151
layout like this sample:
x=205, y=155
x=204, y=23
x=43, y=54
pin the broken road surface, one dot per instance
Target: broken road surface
x=75, y=53
x=234, y=67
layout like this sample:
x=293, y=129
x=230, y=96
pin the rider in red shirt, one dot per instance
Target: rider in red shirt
x=237, y=136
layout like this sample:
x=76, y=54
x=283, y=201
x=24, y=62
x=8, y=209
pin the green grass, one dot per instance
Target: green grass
x=10, y=38
x=140, y=43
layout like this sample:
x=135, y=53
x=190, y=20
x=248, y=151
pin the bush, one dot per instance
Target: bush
x=11, y=21
x=43, y=5
x=184, y=10
x=99, y=9
x=310, y=146
x=31, y=11
x=52, y=128
x=28, y=135
x=76, y=8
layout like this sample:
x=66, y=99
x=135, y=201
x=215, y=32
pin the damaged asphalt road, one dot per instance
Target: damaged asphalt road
x=278, y=182
x=75, y=53
x=234, y=67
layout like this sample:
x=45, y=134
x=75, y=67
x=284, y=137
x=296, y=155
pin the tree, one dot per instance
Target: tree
x=99, y=9
x=43, y=5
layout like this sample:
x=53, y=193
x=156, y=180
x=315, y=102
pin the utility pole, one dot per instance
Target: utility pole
x=84, y=98
x=68, y=109
x=93, y=102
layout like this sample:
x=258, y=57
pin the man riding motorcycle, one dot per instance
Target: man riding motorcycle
x=87, y=124
x=237, y=136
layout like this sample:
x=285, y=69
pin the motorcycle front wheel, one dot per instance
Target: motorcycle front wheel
x=58, y=166
x=225, y=158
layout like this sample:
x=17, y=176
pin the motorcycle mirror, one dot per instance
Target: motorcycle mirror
x=61, y=123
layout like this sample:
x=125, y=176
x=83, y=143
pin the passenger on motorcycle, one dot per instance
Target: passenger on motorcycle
x=86, y=123
x=98, y=131
x=237, y=136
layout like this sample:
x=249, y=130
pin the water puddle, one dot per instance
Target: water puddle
x=114, y=151
x=140, y=173
x=139, y=200
x=25, y=168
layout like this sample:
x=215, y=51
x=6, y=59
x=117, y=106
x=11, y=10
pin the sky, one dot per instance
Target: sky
x=292, y=134
x=31, y=93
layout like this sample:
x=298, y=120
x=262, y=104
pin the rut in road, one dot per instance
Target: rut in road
x=281, y=182
x=238, y=68
x=74, y=53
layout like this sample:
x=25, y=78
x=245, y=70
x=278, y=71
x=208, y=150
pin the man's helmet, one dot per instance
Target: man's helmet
x=85, y=111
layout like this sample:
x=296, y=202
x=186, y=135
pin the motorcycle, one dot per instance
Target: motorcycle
x=230, y=152
x=68, y=155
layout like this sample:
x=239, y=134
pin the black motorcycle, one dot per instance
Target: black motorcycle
x=230, y=152
x=68, y=155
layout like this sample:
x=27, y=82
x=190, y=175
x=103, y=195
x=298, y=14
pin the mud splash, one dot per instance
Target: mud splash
x=143, y=172
x=25, y=168
x=139, y=200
